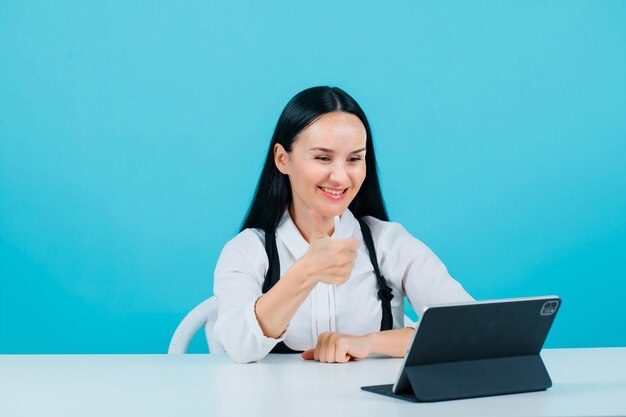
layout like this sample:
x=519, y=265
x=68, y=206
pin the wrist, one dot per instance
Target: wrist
x=301, y=273
x=371, y=339
x=390, y=342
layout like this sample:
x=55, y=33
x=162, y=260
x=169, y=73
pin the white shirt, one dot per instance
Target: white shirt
x=409, y=267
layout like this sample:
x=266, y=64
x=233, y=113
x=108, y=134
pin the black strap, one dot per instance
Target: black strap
x=384, y=292
x=273, y=270
x=273, y=275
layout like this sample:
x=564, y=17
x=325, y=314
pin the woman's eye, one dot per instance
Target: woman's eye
x=354, y=159
x=323, y=158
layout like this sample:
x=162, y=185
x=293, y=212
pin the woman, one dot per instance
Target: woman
x=317, y=267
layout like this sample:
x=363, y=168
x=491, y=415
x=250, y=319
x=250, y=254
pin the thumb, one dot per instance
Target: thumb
x=308, y=354
x=318, y=226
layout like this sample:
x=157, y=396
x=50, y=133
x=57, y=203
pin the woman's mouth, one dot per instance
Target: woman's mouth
x=334, y=193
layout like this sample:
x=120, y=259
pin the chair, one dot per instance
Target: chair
x=205, y=315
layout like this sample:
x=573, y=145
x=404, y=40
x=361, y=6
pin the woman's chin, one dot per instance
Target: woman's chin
x=332, y=211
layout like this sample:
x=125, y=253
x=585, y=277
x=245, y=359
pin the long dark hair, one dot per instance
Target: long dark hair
x=273, y=192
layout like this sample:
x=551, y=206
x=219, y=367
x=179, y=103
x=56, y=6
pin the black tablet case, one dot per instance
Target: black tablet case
x=476, y=350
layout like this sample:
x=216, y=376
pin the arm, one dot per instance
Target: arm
x=391, y=342
x=337, y=347
x=239, y=276
x=275, y=309
x=424, y=278
x=420, y=274
x=250, y=323
x=327, y=260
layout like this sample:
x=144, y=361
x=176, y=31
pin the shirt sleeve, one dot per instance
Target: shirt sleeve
x=239, y=274
x=424, y=278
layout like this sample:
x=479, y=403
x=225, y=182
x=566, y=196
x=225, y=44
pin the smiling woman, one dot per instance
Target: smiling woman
x=326, y=168
x=317, y=267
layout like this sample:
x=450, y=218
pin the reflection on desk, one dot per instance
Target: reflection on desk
x=587, y=382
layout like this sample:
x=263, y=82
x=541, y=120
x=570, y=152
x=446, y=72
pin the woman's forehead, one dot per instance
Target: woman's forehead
x=337, y=130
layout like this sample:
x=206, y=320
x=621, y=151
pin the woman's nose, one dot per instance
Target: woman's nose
x=338, y=173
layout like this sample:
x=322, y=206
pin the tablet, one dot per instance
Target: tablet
x=476, y=349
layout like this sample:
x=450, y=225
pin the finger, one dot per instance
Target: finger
x=316, y=351
x=330, y=353
x=343, y=271
x=326, y=341
x=346, y=263
x=322, y=342
x=343, y=275
x=308, y=354
x=318, y=226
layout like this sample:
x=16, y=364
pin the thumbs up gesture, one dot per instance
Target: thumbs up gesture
x=317, y=231
x=328, y=260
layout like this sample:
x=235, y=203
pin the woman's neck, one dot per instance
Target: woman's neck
x=304, y=223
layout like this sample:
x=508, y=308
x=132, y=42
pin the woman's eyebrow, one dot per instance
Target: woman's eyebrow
x=317, y=148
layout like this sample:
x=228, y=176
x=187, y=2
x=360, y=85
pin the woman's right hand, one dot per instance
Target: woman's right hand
x=328, y=260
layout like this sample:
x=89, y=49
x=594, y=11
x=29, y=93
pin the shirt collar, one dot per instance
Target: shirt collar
x=289, y=234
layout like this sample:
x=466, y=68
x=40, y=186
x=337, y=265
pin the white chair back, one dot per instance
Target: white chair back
x=203, y=315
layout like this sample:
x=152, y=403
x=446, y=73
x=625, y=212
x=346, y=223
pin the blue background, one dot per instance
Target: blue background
x=132, y=136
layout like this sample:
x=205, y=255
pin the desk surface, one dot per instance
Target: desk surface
x=587, y=382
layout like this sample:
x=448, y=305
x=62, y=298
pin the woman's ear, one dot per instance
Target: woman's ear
x=281, y=158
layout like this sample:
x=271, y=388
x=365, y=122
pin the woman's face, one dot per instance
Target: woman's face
x=326, y=165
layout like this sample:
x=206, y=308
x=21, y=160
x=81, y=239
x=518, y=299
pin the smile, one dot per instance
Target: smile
x=334, y=194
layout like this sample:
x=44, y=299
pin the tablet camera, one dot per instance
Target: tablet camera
x=549, y=308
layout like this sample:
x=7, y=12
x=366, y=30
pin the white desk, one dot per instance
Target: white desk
x=587, y=382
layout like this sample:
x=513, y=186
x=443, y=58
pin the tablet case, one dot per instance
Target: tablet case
x=476, y=350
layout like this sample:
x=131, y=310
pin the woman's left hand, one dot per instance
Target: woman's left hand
x=337, y=347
